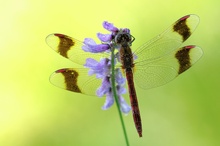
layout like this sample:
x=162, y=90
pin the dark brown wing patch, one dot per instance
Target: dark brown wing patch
x=64, y=45
x=183, y=58
x=182, y=28
x=71, y=77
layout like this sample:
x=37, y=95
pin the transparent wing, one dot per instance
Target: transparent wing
x=76, y=80
x=71, y=48
x=160, y=60
x=164, y=69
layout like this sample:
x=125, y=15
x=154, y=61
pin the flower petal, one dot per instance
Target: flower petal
x=104, y=37
x=119, y=78
x=120, y=90
x=109, y=26
x=125, y=108
x=96, y=48
x=105, y=88
x=101, y=69
x=108, y=102
x=89, y=41
x=91, y=46
x=91, y=63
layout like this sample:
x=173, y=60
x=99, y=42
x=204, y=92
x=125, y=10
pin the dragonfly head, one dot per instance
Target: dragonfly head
x=123, y=38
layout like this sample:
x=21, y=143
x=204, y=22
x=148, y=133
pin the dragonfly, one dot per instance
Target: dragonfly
x=153, y=64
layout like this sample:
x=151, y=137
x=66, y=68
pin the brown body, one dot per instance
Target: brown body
x=126, y=59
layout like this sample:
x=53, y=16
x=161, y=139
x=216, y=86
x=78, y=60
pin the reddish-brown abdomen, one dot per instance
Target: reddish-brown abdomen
x=134, y=101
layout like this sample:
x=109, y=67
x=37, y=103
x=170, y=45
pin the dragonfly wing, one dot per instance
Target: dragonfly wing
x=167, y=41
x=71, y=48
x=76, y=80
x=160, y=71
x=156, y=62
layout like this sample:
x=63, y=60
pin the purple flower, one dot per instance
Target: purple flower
x=110, y=27
x=104, y=37
x=125, y=108
x=119, y=78
x=102, y=69
x=104, y=88
x=91, y=46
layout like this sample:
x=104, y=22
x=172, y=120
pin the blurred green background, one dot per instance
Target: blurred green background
x=33, y=112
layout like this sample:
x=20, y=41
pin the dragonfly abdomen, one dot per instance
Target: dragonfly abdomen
x=134, y=101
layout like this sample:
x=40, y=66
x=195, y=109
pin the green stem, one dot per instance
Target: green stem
x=115, y=94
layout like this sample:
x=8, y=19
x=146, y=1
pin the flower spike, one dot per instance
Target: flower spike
x=102, y=68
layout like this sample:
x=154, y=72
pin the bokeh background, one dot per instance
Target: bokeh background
x=33, y=112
